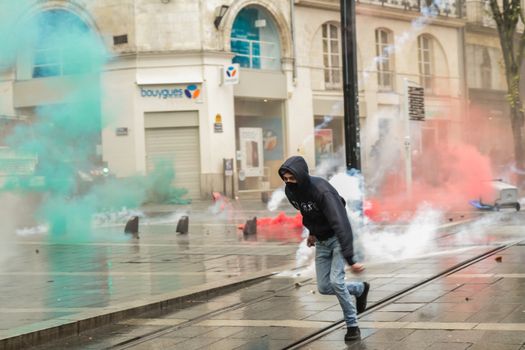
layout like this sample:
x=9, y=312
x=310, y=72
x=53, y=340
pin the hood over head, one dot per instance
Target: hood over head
x=298, y=167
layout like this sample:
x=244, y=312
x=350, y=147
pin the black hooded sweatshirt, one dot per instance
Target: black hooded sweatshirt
x=322, y=208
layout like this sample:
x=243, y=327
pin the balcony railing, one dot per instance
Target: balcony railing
x=445, y=8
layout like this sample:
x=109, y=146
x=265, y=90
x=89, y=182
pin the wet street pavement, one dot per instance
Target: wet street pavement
x=480, y=307
x=50, y=281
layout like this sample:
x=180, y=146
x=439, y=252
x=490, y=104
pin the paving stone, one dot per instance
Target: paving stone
x=164, y=343
x=225, y=344
x=489, y=346
x=400, y=307
x=325, y=344
x=326, y=316
x=390, y=335
x=223, y=332
x=503, y=337
x=412, y=345
x=449, y=346
x=429, y=336
x=384, y=316
x=263, y=344
x=368, y=345
x=452, y=317
x=189, y=332
x=490, y=317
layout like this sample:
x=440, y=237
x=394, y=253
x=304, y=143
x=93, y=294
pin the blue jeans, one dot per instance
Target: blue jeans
x=330, y=269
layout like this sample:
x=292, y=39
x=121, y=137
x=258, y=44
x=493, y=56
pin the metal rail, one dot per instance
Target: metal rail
x=388, y=300
x=158, y=333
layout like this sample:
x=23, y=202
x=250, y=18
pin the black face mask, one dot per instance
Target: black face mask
x=292, y=186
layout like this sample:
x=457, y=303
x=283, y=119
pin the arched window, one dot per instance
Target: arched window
x=332, y=56
x=486, y=70
x=425, y=58
x=59, y=48
x=385, y=64
x=255, y=40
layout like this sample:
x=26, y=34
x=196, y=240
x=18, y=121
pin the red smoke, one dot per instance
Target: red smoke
x=445, y=177
x=280, y=228
x=456, y=160
x=281, y=219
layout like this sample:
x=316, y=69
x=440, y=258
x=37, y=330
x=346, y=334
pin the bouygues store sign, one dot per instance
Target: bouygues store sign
x=179, y=92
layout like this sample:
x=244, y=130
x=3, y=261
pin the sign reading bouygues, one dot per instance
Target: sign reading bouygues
x=231, y=74
x=188, y=92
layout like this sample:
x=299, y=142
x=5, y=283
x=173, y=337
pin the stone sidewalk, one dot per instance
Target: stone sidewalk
x=285, y=308
x=67, y=283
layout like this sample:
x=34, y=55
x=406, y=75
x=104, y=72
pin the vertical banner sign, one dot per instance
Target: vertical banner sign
x=230, y=74
x=251, y=145
x=416, y=103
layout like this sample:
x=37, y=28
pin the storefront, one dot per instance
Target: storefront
x=259, y=100
x=260, y=140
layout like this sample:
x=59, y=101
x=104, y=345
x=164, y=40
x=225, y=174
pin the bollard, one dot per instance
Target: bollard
x=132, y=226
x=182, y=225
x=250, y=228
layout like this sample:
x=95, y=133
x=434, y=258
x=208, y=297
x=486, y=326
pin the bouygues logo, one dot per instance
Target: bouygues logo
x=231, y=71
x=192, y=91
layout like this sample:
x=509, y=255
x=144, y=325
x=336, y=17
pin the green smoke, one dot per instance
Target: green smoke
x=63, y=138
x=13, y=36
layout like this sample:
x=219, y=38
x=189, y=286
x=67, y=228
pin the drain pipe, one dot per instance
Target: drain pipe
x=294, y=53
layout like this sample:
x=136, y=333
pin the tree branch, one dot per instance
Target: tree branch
x=521, y=47
x=505, y=5
x=496, y=13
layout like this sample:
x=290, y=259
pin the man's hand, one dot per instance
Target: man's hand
x=310, y=241
x=357, y=268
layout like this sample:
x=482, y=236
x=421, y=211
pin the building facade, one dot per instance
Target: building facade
x=487, y=87
x=170, y=88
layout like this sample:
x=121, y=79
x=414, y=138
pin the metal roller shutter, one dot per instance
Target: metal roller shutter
x=180, y=145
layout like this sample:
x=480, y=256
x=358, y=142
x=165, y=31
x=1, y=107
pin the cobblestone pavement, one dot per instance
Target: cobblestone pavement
x=47, y=281
x=480, y=307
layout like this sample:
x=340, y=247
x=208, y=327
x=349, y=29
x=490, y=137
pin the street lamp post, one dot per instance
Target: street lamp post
x=350, y=92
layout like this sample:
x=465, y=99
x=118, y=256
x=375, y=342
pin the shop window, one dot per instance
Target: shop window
x=424, y=44
x=385, y=71
x=329, y=138
x=486, y=70
x=58, y=49
x=331, y=56
x=255, y=40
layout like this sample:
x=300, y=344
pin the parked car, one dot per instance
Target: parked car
x=504, y=196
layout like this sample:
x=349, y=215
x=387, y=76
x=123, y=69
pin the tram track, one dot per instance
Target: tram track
x=392, y=298
x=159, y=333
x=322, y=332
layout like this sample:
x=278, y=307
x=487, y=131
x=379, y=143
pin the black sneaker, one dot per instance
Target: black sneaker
x=360, y=301
x=352, y=333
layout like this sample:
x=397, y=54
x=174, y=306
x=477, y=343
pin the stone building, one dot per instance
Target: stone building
x=487, y=87
x=253, y=81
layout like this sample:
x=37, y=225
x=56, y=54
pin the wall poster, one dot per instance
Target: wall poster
x=251, y=145
x=324, y=144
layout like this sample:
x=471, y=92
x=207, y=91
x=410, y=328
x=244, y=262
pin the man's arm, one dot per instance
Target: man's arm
x=335, y=212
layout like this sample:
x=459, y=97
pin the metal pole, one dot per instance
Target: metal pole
x=350, y=92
